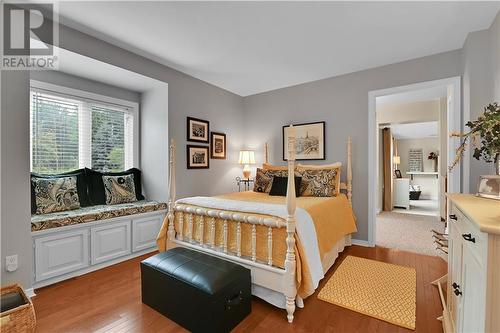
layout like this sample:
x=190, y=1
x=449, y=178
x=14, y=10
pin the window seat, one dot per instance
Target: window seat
x=93, y=213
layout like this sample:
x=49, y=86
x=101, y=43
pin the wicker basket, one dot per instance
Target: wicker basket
x=20, y=319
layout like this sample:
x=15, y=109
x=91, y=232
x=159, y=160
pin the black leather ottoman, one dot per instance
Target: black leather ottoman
x=200, y=292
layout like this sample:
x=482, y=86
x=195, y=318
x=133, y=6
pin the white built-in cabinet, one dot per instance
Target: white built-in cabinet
x=65, y=252
x=401, y=197
x=473, y=303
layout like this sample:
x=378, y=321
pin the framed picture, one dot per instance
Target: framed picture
x=197, y=157
x=197, y=130
x=397, y=173
x=218, y=145
x=309, y=141
x=489, y=187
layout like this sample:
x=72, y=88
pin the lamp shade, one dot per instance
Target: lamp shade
x=247, y=157
x=396, y=160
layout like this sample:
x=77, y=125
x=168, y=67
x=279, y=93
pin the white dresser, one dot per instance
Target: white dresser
x=473, y=297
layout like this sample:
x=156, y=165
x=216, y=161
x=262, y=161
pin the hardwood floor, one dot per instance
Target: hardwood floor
x=109, y=300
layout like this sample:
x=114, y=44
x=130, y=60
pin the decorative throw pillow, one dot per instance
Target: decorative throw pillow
x=119, y=189
x=280, y=186
x=97, y=193
x=81, y=186
x=55, y=194
x=319, y=183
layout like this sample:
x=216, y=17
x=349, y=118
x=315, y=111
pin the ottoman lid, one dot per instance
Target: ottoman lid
x=202, y=271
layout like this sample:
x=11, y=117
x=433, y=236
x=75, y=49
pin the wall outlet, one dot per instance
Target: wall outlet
x=11, y=263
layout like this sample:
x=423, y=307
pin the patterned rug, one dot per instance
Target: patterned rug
x=380, y=290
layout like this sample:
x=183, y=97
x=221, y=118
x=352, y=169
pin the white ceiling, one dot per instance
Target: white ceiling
x=415, y=130
x=253, y=47
x=421, y=95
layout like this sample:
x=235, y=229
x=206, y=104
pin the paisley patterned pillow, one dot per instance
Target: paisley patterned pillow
x=119, y=189
x=319, y=183
x=55, y=194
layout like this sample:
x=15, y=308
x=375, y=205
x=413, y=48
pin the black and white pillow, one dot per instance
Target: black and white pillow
x=119, y=189
x=55, y=194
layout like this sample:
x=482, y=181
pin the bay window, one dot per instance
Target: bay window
x=71, y=129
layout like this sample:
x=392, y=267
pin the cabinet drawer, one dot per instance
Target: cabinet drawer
x=110, y=241
x=60, y=254
x=145, y=232
x=473, y=238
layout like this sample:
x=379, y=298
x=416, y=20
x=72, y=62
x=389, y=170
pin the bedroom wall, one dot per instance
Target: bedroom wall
x=15, y=211
x=481, y=84
x=495, y=56
x=343, y=103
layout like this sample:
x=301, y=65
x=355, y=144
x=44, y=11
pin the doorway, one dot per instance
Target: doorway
x=406, y=125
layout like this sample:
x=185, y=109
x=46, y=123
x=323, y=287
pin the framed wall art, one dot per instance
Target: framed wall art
x=218, y=145
x=198, y=130
x=309, y=141
x=197, y=157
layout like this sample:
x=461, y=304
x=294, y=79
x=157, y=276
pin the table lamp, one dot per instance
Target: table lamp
x=247, y=157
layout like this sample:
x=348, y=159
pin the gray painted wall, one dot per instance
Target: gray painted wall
x=343, y=103
x=495, y=56
x=481, y=78
x=76, y=82
x=15, y=211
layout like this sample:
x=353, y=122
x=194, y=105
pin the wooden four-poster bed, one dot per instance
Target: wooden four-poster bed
x=270, y=236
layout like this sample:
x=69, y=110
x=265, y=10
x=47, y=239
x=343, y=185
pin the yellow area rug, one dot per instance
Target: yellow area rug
x=377, y=289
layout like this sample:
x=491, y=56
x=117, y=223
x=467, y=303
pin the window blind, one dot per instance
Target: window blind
x=108, y=139
x=54, y=133
x=68, y=132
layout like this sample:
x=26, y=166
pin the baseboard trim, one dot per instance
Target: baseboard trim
x=30, y=292
x=361, y=242
x=91, y=268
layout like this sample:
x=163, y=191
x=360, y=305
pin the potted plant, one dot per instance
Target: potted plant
x=484, y=136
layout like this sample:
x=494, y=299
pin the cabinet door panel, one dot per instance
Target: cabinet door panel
x=110, y=241
x=455, y=272
x=473, y=294
x=61, y=253
x=145, y=231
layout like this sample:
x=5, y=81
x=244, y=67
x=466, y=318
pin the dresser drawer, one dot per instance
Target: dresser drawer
x=473, y=238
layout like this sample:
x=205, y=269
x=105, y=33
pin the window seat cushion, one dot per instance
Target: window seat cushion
x=93, y=213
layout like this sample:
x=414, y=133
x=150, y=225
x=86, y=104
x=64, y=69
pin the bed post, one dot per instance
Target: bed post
x=171, y=195
x=290, y=263
x=349, y=169
x=266, y=152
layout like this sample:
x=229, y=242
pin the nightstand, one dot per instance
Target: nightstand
x=244, y=182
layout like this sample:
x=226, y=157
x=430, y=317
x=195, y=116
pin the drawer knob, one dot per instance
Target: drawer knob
x=453, y=217
x=455, y=285
x=457, y=292
x=468, y=237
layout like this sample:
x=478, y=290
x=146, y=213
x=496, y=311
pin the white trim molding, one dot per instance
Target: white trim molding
x=30, y=292
x=361, y=242
x=454, y=124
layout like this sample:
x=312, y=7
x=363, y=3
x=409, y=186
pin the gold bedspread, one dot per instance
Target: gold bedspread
x=332, y=216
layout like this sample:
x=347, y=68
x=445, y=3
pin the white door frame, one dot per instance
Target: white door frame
x=454, y=124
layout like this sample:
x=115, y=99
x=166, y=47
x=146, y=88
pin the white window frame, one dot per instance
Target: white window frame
x=97, y=98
